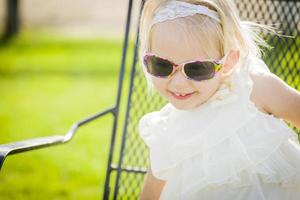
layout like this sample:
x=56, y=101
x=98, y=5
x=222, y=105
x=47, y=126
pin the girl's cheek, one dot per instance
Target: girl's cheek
x=199, y=86
x=207, y=86
x=159, y=83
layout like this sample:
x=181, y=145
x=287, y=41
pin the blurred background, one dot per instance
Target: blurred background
x=76, y=17
x=59, y=66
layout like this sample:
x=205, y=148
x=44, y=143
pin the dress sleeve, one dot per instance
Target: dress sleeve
x=144, y=126
x=258, y=65
x=150, y=124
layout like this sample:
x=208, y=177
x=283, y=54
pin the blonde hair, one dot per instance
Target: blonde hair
x=232, y=32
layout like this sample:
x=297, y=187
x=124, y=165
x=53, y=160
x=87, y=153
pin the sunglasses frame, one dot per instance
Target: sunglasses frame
x=176, y=67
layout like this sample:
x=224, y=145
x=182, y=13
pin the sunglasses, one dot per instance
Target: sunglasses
x=195, y=70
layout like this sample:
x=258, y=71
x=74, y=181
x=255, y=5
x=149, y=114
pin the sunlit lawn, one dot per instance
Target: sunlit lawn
x=47, y=83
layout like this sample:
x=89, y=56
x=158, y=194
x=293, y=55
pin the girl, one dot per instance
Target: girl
x=222, y=134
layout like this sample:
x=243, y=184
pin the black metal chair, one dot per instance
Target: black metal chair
x=124, y=179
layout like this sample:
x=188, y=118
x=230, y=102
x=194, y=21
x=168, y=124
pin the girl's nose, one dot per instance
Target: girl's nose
x=178, y=79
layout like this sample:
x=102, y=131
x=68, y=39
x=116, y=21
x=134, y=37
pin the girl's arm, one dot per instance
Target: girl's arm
x=275, y=97
x=152, y=187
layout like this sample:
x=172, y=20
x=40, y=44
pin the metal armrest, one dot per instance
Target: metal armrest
x=36, y=143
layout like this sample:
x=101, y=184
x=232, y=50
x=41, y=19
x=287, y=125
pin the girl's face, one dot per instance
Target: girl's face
x=181, y=92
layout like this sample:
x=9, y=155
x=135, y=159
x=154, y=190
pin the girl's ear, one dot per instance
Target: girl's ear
x=230, y=61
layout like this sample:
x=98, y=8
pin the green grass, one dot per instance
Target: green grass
x=47, y=82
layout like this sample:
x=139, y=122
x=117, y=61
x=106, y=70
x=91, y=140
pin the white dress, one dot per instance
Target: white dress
x=225, y=149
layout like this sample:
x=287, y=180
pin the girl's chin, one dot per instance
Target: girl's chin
x=185, y=106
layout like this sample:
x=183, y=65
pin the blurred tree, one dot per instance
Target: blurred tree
x=12, y=24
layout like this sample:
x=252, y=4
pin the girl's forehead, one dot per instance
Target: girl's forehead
x=180, y=43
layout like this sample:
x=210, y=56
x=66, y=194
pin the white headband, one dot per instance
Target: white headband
x=173, y=9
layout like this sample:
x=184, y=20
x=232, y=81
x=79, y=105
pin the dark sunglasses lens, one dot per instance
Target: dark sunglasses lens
x=158, y=66
x=200, y=70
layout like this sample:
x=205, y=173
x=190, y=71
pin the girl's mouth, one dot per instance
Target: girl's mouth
x=181, y=96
